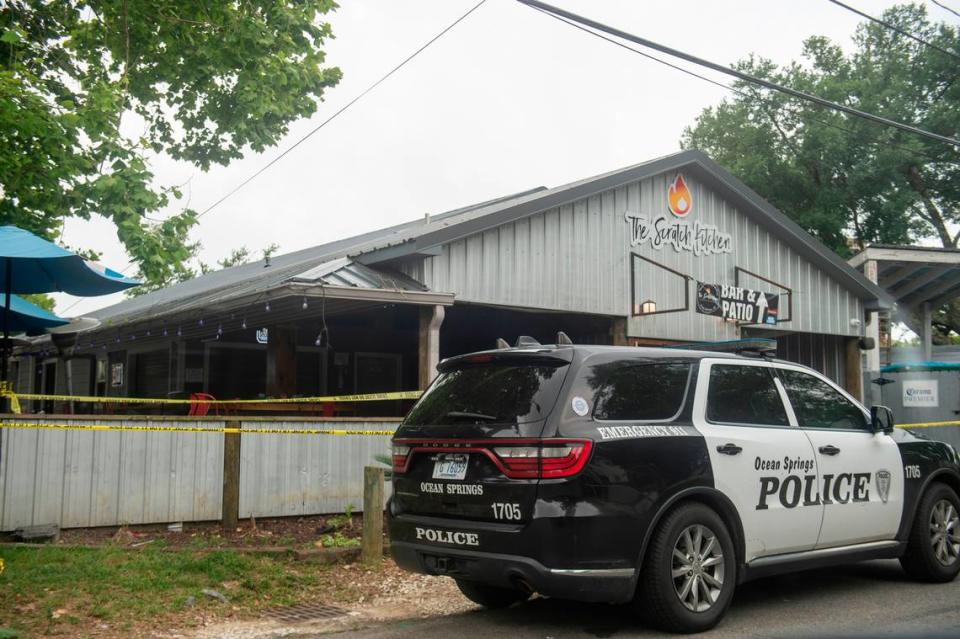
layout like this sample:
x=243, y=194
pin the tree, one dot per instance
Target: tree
x=239, y=256
x=848, y=181
x=89, y=90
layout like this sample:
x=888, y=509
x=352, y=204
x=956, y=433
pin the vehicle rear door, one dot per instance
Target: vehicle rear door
x=762, y=463
x=471, y=446
x=860, y=472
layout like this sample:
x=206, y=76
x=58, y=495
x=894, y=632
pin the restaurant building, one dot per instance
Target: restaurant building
x=674, y=250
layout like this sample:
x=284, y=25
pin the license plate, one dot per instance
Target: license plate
x=450, y=467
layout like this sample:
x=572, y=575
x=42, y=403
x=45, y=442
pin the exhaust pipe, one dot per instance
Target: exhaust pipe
x=522, y=584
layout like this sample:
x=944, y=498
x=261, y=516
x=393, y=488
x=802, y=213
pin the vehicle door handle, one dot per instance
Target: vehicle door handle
x=729, y=449
x=830, y=449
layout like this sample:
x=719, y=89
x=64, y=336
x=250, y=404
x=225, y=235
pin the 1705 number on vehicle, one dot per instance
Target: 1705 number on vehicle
x=510, y=512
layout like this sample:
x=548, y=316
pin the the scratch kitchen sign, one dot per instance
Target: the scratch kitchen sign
x=678, y=231
x=738, y=304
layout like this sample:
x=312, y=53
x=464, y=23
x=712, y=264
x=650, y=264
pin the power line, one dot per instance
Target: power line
x=341, y=110
x=738, y=74
x=943, y=6
x=729, y=87
x=321, y=125
x=894, y=27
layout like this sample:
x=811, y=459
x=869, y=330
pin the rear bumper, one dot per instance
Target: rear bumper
x=607, y=585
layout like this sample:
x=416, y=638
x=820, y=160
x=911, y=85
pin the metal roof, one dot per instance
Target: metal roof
x=306, y=266
x=370, y=251
x=914, y=275
x=421, y=239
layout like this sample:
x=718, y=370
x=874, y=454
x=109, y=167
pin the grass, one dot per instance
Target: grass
x=61, y=591
x=339, y=540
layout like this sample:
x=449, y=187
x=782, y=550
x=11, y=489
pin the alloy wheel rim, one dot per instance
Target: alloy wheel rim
x=697, y=568
x=945, y=532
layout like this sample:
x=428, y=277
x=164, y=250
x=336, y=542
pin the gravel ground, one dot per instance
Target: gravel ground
x=387, y=595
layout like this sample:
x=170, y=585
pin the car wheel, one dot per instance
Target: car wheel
x=491, y=596
x=933, y=548
x=689, y=573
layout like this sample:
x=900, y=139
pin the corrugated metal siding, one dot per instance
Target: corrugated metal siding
x=283, y=475
x=825, y=353
x=89, y=478
x=577, y=258
x=95, y=478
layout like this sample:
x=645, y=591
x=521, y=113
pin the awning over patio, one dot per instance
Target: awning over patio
x=919, y=279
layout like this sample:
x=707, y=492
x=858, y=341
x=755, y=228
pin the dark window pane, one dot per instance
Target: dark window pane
x=638, y=391
x=744, y=395
x=491, y=394
x=818, y=404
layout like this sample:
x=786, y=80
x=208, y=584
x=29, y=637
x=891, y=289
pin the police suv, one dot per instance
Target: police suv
x=663, y=477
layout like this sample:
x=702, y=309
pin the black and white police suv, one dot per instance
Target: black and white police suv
x=664, y=477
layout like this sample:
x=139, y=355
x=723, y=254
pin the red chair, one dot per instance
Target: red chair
x=201, y=408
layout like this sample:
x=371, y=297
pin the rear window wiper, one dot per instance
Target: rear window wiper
x=466, y=415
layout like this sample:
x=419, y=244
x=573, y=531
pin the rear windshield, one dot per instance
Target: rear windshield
x=631, y=390
x=490, y=394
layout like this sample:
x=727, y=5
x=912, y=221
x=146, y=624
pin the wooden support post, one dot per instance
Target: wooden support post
x=431, y=317
x=853, y=371
x=618, y=332
x=282, y=361
x=230, y=504
x=372, y=550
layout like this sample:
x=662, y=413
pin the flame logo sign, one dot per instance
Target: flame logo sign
x=678, y=197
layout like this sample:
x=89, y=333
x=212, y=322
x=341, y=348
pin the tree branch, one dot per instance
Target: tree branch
x=915, y=179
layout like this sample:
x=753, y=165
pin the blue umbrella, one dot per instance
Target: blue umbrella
x=26, y=317
x=29, y=264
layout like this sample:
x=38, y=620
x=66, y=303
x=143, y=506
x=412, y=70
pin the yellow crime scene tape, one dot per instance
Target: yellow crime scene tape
x=15, y=399
x=194, y=429
x=928, y=424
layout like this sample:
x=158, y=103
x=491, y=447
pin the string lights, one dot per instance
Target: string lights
x=225, y=323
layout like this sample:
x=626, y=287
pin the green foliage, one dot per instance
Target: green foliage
x=239, y=256
x=89, y=90
x=848, y=181
x=344, y=520
x=339, y=540
x=946, y=324
x=40, y=299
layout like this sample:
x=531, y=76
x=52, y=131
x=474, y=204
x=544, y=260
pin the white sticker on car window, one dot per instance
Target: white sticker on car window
x=580, y=406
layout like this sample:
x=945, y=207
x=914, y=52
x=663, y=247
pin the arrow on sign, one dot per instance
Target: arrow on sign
x=762, y=304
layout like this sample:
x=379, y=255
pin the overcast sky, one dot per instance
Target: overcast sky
x=508, y=100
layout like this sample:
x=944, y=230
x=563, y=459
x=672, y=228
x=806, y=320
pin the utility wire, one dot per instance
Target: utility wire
x=733, y=89
x=370, y=88
x=945, y=7
x=738, y=74
x=339, y=111
x=894, y=27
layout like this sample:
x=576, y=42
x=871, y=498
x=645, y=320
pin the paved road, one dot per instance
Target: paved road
x=872, y=599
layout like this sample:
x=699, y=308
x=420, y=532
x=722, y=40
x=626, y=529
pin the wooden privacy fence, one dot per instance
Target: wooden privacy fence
x=140, y=470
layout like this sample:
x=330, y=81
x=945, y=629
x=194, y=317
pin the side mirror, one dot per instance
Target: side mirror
x=881, y=419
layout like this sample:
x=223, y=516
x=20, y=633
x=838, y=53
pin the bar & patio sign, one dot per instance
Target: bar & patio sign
x=738, y=304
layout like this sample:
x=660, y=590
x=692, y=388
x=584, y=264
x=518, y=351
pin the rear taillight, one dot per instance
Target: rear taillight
x=401, y=458
x=515, y=458
x=551, y=459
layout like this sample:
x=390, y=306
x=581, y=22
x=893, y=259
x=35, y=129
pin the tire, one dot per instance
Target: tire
x=660, y=599
x=491, y=596
x=934, y=543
